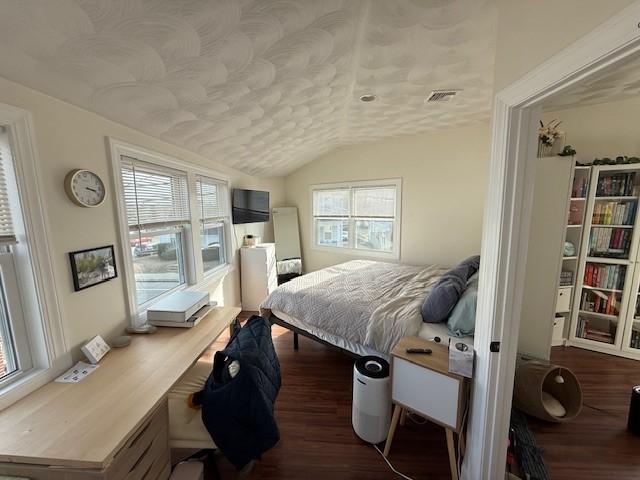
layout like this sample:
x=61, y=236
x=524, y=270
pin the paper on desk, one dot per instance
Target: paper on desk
x=78, y=372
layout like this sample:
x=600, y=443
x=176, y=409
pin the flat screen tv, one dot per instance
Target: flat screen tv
x=250, y=206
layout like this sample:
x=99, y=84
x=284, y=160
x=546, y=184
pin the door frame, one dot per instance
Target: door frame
x=506, y=228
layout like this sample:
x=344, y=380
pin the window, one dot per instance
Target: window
x=177, y=223
x=158, y=217
x=15, y=350
x=212, y=222
x=33, y=349
x=362, y=217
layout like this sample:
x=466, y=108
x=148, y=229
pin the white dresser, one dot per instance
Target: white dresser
x=258, y=274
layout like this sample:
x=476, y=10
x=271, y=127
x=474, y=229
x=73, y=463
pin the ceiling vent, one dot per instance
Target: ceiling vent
x=441, y=95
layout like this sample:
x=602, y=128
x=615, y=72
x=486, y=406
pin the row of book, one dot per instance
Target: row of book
x=604, y=276
x=598, y=302
x=614, y=213
x=617, y=184
x=566, y=278
x=610, y=242
x=580, y=187
x=590, y=333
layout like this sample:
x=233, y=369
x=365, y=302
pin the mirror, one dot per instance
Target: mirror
x=287, y=239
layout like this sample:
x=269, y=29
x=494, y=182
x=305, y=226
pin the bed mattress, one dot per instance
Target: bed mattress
x=373, y=304
x=428, y=331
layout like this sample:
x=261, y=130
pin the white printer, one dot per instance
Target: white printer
x=180, y=309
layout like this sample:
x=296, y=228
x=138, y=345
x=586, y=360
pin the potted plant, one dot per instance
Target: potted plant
x=550, y=138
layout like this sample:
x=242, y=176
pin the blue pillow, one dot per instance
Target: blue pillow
x=462, y=321
x=473, y=265
x=445, y=294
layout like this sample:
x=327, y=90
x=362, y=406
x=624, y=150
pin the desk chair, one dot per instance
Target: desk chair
x=186, y=429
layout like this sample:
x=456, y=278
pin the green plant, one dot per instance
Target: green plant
x=567, y=151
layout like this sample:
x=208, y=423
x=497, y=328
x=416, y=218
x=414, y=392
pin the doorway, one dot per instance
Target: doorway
x=507, y=224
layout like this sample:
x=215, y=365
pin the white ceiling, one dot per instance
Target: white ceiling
x=618, y=82
x=262, y=86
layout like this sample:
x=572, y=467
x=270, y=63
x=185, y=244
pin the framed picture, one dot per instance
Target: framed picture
x=92, y=266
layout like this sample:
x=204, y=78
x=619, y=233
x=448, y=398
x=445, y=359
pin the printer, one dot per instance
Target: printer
x=180, y=309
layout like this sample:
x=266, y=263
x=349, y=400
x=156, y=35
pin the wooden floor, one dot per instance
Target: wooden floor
x=596, y=445
x=313, y=412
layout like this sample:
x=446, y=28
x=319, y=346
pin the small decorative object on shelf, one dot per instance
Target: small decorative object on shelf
x=550, y=139
x=569, y=249
x=567, y=151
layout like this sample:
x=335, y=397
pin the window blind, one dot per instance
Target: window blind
x=7, y=233
x=210, y=199
x=374, y=202
x=331, y=203
x=155, y=197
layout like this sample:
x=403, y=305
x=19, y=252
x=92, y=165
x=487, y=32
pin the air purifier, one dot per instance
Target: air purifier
x=371, y=410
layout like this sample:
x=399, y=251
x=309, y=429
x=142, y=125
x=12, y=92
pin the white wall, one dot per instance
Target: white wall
x=604, y=130
x=531, y=32
x=444, y=177
x=68, y=137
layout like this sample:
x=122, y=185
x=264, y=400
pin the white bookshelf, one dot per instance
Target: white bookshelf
x=607, y=279
x=575, y=219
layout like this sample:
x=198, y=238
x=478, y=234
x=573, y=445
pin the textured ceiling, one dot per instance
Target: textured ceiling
x=618, y=82
x=262, y=86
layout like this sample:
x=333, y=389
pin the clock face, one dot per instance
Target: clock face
x=86, y=188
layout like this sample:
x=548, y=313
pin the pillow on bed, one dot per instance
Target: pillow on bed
x=462, y=321
x=445, y=294
x=473, y=265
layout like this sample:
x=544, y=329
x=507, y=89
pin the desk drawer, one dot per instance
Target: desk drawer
x=426, y=392
x=146, y=452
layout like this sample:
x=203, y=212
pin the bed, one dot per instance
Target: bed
x=361, y=307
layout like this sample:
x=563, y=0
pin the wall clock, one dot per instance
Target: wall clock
x=84, y=188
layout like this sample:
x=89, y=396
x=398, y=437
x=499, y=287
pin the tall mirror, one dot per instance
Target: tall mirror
x=287, y=238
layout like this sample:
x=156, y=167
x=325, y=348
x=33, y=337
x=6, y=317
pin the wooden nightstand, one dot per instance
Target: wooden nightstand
x=422, y=384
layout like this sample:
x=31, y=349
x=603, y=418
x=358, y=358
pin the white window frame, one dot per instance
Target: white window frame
x=33, y=266
x=195, y=279
x=394, y=254
x=213, y=221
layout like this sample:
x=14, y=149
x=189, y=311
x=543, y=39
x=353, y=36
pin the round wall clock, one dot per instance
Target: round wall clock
x=84, y=188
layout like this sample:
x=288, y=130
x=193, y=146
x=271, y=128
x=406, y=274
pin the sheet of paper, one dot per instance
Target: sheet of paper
x=78, y=372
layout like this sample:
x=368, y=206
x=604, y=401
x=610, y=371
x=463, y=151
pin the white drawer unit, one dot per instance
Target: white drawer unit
x=563, y=302
x=426, y=392
x=258, y=274
x=421, y=383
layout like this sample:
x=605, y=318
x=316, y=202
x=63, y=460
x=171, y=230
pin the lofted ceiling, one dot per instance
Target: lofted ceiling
x=262, y=86
x=617, y=82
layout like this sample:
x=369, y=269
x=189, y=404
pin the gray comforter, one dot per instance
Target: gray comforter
x=370, y=303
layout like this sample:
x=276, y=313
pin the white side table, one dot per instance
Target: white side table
x=422, y=384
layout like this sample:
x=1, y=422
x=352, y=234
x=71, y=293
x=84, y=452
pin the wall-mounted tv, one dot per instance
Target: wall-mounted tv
x=250, y=206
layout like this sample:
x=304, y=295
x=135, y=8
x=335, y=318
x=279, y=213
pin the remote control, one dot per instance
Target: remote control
x=426, y=351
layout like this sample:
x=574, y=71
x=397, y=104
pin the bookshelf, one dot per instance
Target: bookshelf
x=575, y=219
x=605, y=314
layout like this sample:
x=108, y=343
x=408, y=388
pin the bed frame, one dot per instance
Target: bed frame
x=299, y=331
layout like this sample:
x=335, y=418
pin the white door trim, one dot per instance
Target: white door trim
x=506, y=226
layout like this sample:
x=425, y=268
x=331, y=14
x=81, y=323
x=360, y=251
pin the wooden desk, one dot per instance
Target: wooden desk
x=85, y=425
x=422, y=384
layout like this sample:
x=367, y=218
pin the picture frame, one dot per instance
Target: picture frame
x=93, y=266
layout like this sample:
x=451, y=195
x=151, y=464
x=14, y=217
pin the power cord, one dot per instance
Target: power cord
x=393, y=469
x=414, y=418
